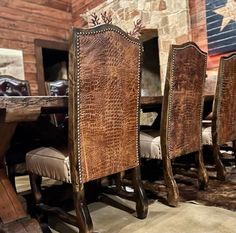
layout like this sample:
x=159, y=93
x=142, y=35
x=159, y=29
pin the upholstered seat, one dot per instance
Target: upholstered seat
x=150, y=144
x=49, y=162
x=206, y=136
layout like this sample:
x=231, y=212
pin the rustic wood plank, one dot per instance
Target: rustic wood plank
x=56, y=4
x=14, y=14
x=23, y=226
x=34, y=28
x=33, y=8
x=25, y=108
x=10, y=207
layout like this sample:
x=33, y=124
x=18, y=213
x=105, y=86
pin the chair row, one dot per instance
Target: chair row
x=104, y=136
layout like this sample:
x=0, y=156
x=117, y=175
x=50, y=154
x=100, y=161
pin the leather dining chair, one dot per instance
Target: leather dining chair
x=181, y=117
x=223, y=129
x=15, y=156
x=104, y=90
x=58, y=88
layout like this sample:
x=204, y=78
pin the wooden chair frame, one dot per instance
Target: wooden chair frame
x=80, y=173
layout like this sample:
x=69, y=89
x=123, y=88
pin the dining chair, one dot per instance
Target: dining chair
x=58, y=88
x=15, y=158
x=223, y=129
x=182, y=106
x=104, y=95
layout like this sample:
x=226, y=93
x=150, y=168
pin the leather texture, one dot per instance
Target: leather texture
x=104, y=102
x=10, y=86
x=182, y=109
x=224, y=112
x=182, y=105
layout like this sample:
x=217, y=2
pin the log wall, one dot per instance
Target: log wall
x=80, y=7
x=23, y=21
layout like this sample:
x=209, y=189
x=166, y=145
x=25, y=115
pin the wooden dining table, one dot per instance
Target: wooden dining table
x=15, y=109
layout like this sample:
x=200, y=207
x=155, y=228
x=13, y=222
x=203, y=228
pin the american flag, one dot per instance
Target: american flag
x=221, y=26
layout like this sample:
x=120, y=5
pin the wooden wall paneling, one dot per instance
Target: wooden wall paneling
x=79, y=7
x=23, y=21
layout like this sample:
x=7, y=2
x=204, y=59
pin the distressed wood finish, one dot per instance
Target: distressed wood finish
x=224, y=111
x=181, y=122
x=28, y=108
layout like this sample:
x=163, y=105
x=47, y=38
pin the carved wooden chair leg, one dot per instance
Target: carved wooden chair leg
x=139, y=194
x=172, y=188
x=220, y=168
x=234, y=150
x=82, y=212
x=202, y=172
x=35, y=182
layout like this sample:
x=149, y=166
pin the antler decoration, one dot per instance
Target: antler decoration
x=136, y=32
x=94, y=19
x=106, y=18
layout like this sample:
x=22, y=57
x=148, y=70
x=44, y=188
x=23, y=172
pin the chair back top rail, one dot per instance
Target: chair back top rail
x=10, y=86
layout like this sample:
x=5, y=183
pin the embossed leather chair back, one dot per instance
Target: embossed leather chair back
x=183, y=100
x=10, y=86
x=58, y=88
x=224, y=110
x=104, y=89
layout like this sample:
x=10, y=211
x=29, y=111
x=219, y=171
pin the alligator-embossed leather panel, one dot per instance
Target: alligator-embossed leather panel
x=226, y=94
x=108, y=104
x=185, y=100
x=10, y=86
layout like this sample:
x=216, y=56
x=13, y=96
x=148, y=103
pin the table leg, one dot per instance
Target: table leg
x=11, y=208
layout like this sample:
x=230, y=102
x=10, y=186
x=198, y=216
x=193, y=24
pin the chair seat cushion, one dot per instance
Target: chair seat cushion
x=49, y=162
x=206, y=136
x=150, y=144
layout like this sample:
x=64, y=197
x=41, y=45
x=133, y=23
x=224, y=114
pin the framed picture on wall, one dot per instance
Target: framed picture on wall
x=11, y=63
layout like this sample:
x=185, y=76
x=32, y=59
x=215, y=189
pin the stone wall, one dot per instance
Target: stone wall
x=170, y=18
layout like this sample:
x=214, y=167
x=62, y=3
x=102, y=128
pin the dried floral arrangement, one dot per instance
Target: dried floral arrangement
x=106, y=18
